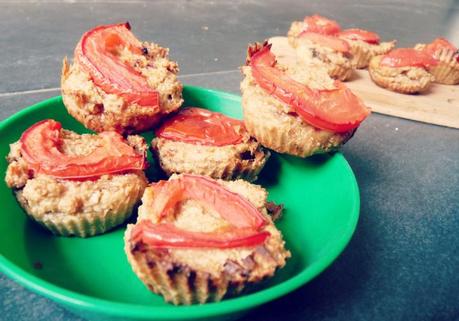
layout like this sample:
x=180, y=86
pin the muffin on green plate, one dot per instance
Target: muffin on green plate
x=199, y=240
x=73, y=184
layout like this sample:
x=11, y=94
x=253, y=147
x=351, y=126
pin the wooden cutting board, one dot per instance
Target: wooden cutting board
x=439, y=105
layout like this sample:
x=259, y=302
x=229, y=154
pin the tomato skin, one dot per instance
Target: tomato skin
x=403, y=57
x=246, y=221
x=438, y=44
x=360, y=34
x=200, y=126
x=168, y=236
x=96, y=54
x=332, y=42
x=40, y=149
x=231, y=206
x=322, y=25
x=319, y=108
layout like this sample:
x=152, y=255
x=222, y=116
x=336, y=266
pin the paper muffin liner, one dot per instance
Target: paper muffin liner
x=361, y=55
x=447, y=70
x=228, y=170
x=82, y=225
x=178, y=284
x=182, y=285
x=340, y=72
x=382, y=48
x=279, y=139
x=231, y=171
x=389, y=83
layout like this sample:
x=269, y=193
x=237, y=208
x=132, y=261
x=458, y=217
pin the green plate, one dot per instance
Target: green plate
x=92, y=277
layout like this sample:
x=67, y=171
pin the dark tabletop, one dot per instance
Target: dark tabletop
x=403, y=261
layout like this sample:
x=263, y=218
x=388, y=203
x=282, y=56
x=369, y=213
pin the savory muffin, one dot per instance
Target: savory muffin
x=315, y=41
x=118, y=83
x=446, y=71
x=73, y=184
x=330, y=51
x=304, y=71
x=314, y=23
x=364, y=45
x=199, y=240
x=198, y=141
x=295, y=110
x=402, y=70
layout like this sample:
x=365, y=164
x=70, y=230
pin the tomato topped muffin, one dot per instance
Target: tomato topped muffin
x=285, y=114
x=364, y=45
x=117, y=82
x=403, y=70
x=315, y=41
x=316, y=24
x=76, y=184
x=446, y=71
x=198, y=240
x=198, y=141
x=330, y=51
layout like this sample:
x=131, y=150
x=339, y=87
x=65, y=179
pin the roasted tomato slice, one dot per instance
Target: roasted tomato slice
x=331, y=42
x=231, y=206
x=98, y=53
x=337, y=110
x=319, y=24
x=200, y=126
x=40, y=148
x=404, y=57
x=245, y=220
x=438, y=44
x=360, y=34
x=167, y=235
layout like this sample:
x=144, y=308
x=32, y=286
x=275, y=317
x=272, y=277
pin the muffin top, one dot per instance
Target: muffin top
x=46, y=149
x=120, y=64
x=199, y=141
x=209, y=226
x=200, y=126
x=336, y=110
x=117, y=82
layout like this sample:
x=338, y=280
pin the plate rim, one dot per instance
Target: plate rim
x=77, y=301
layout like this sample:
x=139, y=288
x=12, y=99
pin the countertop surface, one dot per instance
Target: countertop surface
x=403, y=261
